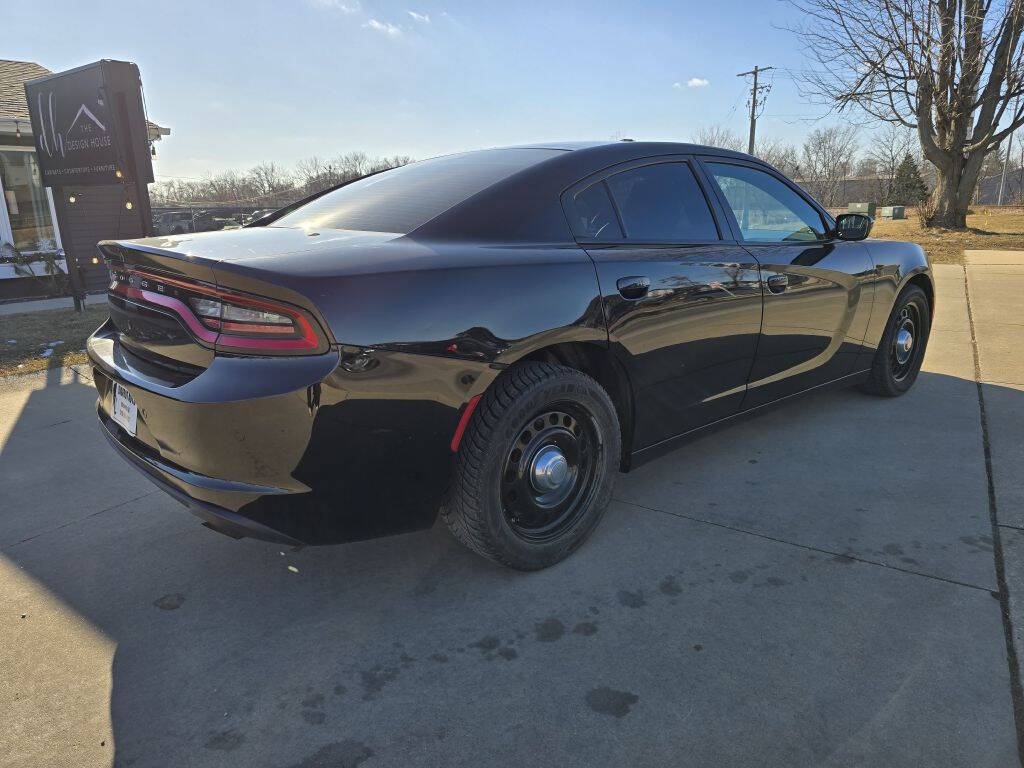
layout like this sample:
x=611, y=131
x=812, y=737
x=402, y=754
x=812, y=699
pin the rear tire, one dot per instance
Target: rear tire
x=895, y=366
x=535, y=468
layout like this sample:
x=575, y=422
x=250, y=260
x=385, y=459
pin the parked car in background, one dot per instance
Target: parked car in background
x=491, y=334
x=174, y=223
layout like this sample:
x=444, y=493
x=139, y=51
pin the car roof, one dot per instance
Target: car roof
x=526, y=206
x=630, y=146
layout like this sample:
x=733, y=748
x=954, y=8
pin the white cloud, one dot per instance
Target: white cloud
x=677, y=86
x=697, y=82
x=384, y=27
x=343, y=6
x=421, y=17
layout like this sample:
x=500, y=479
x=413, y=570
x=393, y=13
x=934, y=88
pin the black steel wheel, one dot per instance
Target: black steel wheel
x=898, y=358
x=548, y=472
x=535, y=468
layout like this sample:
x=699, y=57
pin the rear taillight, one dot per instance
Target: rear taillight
x=231, y=318
x=228, y=320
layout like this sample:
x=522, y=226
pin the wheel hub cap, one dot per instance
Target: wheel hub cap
x=550, y=470
x=904, y=343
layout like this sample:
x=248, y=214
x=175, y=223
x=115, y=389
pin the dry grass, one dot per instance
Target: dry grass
x=25, y=338
x=987, y=228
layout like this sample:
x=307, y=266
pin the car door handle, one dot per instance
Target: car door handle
x=634, y=287
x=777, y=283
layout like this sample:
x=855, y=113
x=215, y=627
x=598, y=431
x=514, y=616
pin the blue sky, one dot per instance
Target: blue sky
x=246, y=82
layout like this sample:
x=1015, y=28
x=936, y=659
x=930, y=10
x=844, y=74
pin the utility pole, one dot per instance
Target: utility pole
x=1006, y=159
x=754, y=91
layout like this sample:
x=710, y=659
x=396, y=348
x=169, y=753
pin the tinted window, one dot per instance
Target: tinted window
x=595, y=216
x=402, y=199
x=764, y=207
x=662, y=203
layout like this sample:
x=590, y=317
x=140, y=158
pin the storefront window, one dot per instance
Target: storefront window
x=25, y=199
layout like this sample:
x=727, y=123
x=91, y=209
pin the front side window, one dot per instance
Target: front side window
x=766, y=210
x=28, y=207
x=662, y=203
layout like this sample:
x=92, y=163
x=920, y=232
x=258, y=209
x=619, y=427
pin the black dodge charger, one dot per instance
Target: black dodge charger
x=490, y=335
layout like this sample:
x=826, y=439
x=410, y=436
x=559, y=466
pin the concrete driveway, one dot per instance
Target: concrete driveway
x=822, y=585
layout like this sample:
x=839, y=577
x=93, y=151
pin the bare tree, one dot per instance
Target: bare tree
x=270, y=181
x=885, y=152
x=721, y=137
x=866, y=167
x=826, y=160
x=780, y=154
x=949, y=69
x=269, y=184
x=775, y=152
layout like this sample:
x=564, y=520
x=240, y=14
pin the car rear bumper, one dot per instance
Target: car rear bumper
x=298, y=450
x=172, y=481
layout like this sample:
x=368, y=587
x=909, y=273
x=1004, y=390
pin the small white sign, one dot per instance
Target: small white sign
x=125, y=413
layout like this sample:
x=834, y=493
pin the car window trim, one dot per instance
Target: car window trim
x=602, y=176
x=828, y=225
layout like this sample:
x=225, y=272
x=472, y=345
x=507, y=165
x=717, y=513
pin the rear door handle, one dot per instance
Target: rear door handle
x=777, y=283
x=633, y=287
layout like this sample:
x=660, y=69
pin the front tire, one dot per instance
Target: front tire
x=535, y=468
x=898, y=358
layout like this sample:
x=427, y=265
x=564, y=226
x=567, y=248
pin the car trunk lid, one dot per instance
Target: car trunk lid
x=164, y=268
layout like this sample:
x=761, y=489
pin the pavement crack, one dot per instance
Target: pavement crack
x=76, y=521
x=1016, y=690
x=809, y=547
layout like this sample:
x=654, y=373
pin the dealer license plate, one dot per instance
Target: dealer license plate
x=126, y=413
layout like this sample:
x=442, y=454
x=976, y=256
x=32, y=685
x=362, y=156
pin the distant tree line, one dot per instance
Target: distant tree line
x=270, y=185
x=832, y=163
x=884, y=167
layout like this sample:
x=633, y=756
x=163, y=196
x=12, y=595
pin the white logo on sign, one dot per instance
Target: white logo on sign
x=55, y=141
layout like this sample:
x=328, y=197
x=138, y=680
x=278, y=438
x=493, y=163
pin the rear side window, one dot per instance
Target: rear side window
x=662, y=203
x=595, y=217
x=403, y=199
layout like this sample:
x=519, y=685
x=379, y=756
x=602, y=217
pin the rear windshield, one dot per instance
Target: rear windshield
x=402, y=199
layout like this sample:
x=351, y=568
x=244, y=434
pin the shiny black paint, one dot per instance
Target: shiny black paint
x=687, y=345
x=896, y=264
x=354, y=442
x=812, y=330
x=322, y=449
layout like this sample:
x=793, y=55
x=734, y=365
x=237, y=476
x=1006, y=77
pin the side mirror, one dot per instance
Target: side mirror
x=853, y=226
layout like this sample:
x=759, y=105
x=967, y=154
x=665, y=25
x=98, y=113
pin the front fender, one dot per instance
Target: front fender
x=896, y=264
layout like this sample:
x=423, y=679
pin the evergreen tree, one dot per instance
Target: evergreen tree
x=907, y=188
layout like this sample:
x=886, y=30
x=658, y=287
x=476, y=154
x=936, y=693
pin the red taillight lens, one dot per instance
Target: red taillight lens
x=228, y=320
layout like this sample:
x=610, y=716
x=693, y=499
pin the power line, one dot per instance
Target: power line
x=755, y=91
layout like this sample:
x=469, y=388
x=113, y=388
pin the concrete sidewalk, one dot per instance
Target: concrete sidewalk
x=996, y=286
x=813, y=587
x=42, y=305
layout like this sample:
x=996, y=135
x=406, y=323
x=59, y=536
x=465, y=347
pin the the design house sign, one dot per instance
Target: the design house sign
x=75, y=138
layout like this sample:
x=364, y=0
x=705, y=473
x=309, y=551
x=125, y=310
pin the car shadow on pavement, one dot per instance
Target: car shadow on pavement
x=812, y=586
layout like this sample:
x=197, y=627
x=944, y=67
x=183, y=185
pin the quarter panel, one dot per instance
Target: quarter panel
x=488, y=303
